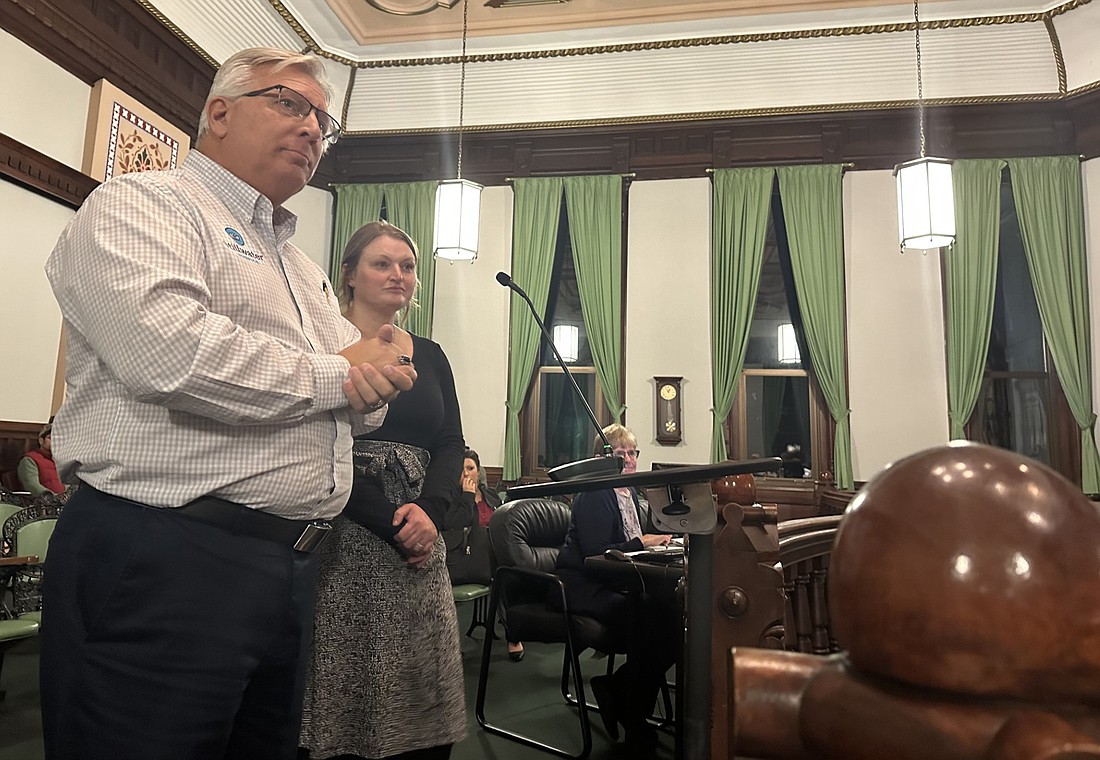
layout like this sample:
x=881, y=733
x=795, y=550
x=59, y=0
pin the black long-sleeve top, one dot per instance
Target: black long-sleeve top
x=428, y=417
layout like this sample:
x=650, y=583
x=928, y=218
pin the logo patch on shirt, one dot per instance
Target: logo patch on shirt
x=236, y=244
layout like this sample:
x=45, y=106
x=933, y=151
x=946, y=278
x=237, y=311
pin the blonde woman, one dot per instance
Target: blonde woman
x=385, y=675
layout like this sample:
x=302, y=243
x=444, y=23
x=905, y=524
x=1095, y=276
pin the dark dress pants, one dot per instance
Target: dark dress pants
x=650, y=623
x=165, y=637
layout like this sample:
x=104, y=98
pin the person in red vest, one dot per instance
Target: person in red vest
x=37, y=471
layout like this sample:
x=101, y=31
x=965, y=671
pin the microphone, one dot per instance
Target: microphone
x=608, y=464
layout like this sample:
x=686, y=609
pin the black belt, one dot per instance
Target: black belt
x=301, y=535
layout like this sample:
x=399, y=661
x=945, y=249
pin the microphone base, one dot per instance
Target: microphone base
x=587, y=468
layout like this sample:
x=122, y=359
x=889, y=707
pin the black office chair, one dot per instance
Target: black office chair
x=525, y=536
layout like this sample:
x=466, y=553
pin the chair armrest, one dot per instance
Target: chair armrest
x=548, y=579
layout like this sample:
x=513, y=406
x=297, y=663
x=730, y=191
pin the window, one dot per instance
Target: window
x=778, y=409
x=1021, y=406
x=557, y=428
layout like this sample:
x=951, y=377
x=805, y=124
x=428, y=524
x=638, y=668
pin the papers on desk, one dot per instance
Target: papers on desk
x=668, y=553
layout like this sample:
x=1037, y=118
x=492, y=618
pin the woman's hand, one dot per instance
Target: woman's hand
x=469, y=483
x=652, y=539
x=417, y=537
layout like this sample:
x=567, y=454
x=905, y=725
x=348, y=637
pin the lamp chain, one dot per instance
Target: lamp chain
x=920, y=83
x=462, y=86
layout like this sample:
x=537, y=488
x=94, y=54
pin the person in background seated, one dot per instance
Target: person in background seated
x=613, y=519
x=385, y=676
x=37, y=470
x=475, y=491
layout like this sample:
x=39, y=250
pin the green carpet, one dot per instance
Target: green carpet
x=524, y=696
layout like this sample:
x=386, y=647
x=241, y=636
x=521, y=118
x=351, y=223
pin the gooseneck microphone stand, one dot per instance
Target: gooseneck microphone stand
x=608, y=464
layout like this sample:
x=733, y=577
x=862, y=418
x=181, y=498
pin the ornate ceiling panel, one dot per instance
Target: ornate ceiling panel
x=845, y=54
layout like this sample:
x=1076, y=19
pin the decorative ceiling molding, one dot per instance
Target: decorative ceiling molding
x=410, y=7
x=689, y=42
x=519, y=3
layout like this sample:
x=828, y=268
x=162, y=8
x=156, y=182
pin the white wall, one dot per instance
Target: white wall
x=314, y=231
x=471, y=323
x=1091, y=180
x=896, y=365
x=28, y=311
x=668, y=313
x=45, y=107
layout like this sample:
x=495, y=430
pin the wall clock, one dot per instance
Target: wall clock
x=668, y=418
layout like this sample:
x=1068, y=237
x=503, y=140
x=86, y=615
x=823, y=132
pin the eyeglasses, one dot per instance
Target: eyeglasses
x=632, y=453
x=295, y=104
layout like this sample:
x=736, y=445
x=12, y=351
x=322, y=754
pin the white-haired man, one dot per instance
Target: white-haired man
x=213, y=387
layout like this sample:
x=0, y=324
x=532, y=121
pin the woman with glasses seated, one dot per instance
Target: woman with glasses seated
x=615, y=519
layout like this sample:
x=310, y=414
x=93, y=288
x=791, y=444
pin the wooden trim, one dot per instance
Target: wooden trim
x=38, y=172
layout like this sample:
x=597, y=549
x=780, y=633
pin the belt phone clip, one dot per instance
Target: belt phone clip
x=313, y=536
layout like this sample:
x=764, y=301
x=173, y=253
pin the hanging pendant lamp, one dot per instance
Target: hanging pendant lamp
x=926, y=203
x=458, y=201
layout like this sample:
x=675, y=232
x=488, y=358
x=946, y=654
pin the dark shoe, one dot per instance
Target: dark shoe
x=516, y=656
x=603, y=691
x=641, y=741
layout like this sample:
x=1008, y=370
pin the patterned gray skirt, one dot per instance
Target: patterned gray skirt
x=385, y=674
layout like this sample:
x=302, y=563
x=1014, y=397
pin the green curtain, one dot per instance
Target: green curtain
x=971, y=274
x=536, y=208
x=595, y=206
x=1050, y=208
x=355, y=206
x=739, y=211
x=411, y=206
x=812, y=198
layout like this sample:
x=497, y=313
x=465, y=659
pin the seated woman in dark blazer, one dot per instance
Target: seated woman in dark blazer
x=614, y=519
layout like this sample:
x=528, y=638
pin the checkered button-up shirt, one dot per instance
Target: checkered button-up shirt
x=201, y=349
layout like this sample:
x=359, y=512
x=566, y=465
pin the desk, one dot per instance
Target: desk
x=665, y=574
x=30, y=559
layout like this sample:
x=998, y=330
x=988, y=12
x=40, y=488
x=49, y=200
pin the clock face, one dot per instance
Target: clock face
x=668, y=392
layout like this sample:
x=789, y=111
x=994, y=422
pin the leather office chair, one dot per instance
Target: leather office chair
x=525, y=536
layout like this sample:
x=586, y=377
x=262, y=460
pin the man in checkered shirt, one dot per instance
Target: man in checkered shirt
x=213, y=389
